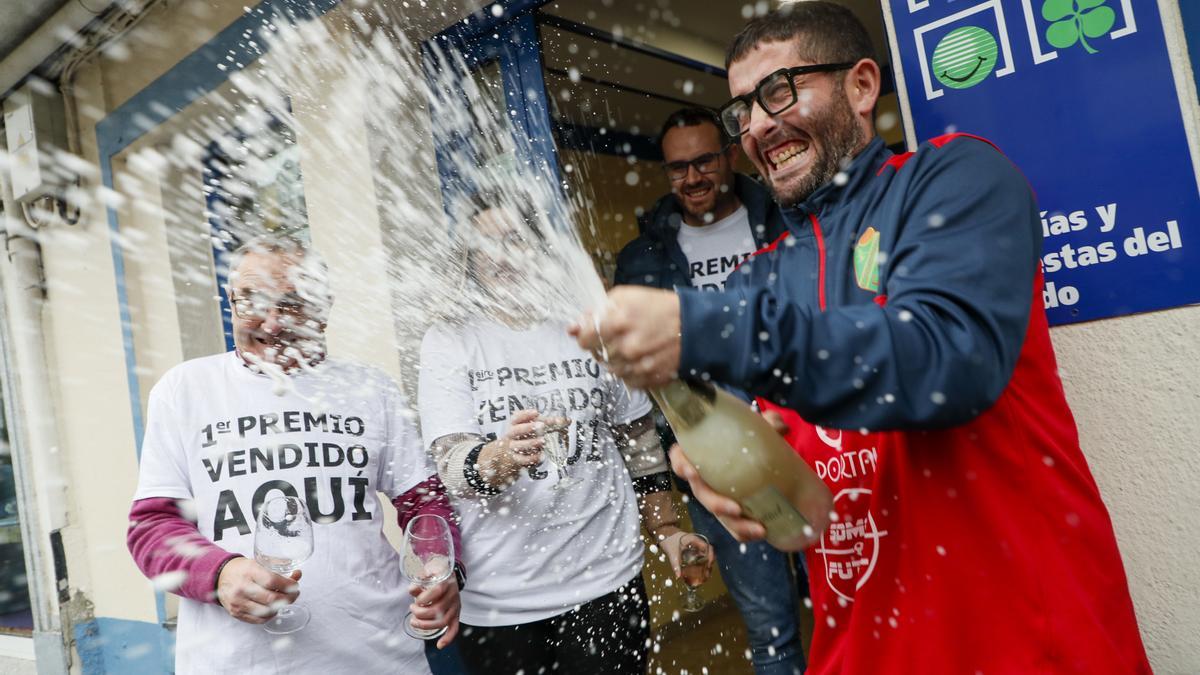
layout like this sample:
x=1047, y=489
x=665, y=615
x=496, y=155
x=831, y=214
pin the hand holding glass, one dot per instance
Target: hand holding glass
x=694, y=555
x=556, y=441
x=427, y=560
x=283, y=539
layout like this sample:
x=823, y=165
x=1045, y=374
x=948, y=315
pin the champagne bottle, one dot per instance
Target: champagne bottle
x=741, y=456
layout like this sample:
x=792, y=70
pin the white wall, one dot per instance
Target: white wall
x=17, y=667
x=1134, y=385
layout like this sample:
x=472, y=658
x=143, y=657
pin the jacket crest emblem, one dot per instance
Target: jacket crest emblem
x=866, y=261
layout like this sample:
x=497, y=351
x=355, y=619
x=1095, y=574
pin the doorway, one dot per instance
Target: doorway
x=598, y=83
x=614, y=71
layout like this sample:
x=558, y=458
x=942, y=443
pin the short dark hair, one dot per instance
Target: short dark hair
x=690, y=117
x=825, y=33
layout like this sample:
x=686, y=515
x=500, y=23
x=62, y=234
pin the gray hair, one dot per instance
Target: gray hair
x=312, y=280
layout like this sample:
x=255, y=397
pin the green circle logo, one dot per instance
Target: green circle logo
x=964, y=57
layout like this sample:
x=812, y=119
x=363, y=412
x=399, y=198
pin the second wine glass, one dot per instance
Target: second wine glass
x=283, y=540
x=427, y=560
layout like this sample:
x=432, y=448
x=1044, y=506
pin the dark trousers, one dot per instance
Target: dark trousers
x=446, y=661
x=607, y=636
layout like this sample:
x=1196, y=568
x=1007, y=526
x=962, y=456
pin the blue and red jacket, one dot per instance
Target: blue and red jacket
x=898, y=325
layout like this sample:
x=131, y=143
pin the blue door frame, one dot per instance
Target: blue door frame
x=515, y=47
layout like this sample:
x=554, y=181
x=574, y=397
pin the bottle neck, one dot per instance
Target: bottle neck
x=685, y=403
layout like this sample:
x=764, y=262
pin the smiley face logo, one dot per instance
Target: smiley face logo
x=964, y=57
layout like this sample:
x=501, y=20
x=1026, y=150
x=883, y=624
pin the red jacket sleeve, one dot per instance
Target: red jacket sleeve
x=162, y=541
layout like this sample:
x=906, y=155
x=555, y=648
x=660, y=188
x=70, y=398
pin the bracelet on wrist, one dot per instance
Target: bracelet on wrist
x=475, y=479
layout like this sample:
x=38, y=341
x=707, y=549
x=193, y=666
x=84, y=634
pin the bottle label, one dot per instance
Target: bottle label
x=782, y=520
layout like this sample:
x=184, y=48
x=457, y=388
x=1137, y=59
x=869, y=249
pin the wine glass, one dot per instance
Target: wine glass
x=283, y=539
x=556, y=443
x=427, y=560
x=694, y=552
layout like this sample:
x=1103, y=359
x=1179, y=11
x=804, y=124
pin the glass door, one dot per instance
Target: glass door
x=252, y=187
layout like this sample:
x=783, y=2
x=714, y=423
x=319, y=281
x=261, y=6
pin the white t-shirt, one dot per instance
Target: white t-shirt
x=714, y=250
x=226, y=438
x=533, y=552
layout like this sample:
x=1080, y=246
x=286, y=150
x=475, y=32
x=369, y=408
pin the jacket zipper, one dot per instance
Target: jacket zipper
x=820, y=260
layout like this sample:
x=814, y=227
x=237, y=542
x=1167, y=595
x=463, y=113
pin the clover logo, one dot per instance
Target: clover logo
x=1076, y=20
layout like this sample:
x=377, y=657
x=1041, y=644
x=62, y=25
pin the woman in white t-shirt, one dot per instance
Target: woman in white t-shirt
x=555, y=573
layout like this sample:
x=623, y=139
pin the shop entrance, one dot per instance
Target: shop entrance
x=614, y=72
x=599, y=79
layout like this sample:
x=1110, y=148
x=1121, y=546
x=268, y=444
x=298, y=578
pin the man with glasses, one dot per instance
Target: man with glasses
x=711, y=222
x=275, y=417
x=898, y=328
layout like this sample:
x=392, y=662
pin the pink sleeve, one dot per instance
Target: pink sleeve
x=429, y=498
x=163, y=541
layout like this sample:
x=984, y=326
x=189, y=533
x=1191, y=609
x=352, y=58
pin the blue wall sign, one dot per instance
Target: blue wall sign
x=1081, y=96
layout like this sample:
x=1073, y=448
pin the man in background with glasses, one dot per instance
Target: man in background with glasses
x=899, y=330
x=712, y=221
x=274, y=417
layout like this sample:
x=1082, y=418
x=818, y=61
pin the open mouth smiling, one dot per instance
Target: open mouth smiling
x=786, y=154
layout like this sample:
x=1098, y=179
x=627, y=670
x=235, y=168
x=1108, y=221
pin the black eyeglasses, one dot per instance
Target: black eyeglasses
x=709, y=162
x=775, y=93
